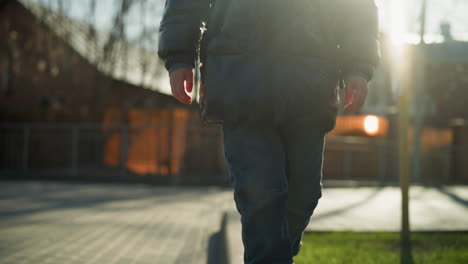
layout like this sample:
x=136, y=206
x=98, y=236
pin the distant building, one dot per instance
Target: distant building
x=57, y=69
x=78, y=101
x=447, y=81
x=447, y=86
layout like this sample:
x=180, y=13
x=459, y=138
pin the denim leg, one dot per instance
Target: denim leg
x=304, y=155
x=256, y=162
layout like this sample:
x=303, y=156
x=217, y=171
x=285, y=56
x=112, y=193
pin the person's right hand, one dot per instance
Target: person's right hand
x=356, y=88
x=182, y=84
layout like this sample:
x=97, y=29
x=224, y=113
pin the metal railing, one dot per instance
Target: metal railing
x=113, y=151
x=186, y=154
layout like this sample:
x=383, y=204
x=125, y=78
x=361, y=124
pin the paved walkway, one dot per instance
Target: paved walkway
x=73, y=223
x=379, y=209
x=376, y=209
x=124, y=224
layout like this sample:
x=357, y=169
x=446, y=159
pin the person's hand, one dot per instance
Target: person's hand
x=182, y=84
x=355, y=93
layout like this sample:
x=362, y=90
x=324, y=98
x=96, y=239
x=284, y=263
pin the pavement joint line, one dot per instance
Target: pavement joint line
x=95, y=239
x=109, y=227
x=152, y=226
x=71, y=240
x=154, y=239
x=169, y=234
x=34, y=242
x=115, y=241
x=39, y=238
x=134, y=239
x=202, y=242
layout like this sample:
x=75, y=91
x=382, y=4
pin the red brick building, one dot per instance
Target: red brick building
x=81, y=102
x=51, y=69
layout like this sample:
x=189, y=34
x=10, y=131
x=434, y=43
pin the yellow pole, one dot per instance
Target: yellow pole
x=404, y=154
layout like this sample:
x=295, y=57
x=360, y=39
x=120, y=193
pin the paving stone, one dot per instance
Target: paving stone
x=103, y=223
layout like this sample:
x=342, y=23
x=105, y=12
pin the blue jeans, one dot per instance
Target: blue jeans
x=276, y=172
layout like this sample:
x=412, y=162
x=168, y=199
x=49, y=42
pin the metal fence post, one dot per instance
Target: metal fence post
x=382, y=161
x=75, y=146
x=25, y=158
x=124, y=149
x=174, y=133
x=446, y=166
x=347, y=162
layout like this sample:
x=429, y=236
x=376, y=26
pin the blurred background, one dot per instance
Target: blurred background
x=83, y=96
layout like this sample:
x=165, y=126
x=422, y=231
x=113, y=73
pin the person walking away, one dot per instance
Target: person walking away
x=270, y=72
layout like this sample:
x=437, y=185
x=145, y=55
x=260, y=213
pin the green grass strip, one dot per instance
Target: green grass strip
x=383, y=248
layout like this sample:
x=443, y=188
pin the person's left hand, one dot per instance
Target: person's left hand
x=356, y=88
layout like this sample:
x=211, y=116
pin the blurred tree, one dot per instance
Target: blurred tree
x=120, y=50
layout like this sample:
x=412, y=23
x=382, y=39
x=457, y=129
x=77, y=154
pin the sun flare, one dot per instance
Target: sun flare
x=398, y=21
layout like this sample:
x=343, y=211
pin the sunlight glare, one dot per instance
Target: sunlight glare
x=398, y=10
x=371, y=125
x=398, y=20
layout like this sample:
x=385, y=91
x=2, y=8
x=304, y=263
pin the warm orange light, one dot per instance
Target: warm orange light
x=371, y=125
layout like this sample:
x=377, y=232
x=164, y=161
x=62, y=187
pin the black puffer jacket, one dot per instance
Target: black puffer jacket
x=270, y=59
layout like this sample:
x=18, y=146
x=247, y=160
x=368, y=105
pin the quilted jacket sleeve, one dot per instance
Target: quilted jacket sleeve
x=179, y=32
x=358, y=36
